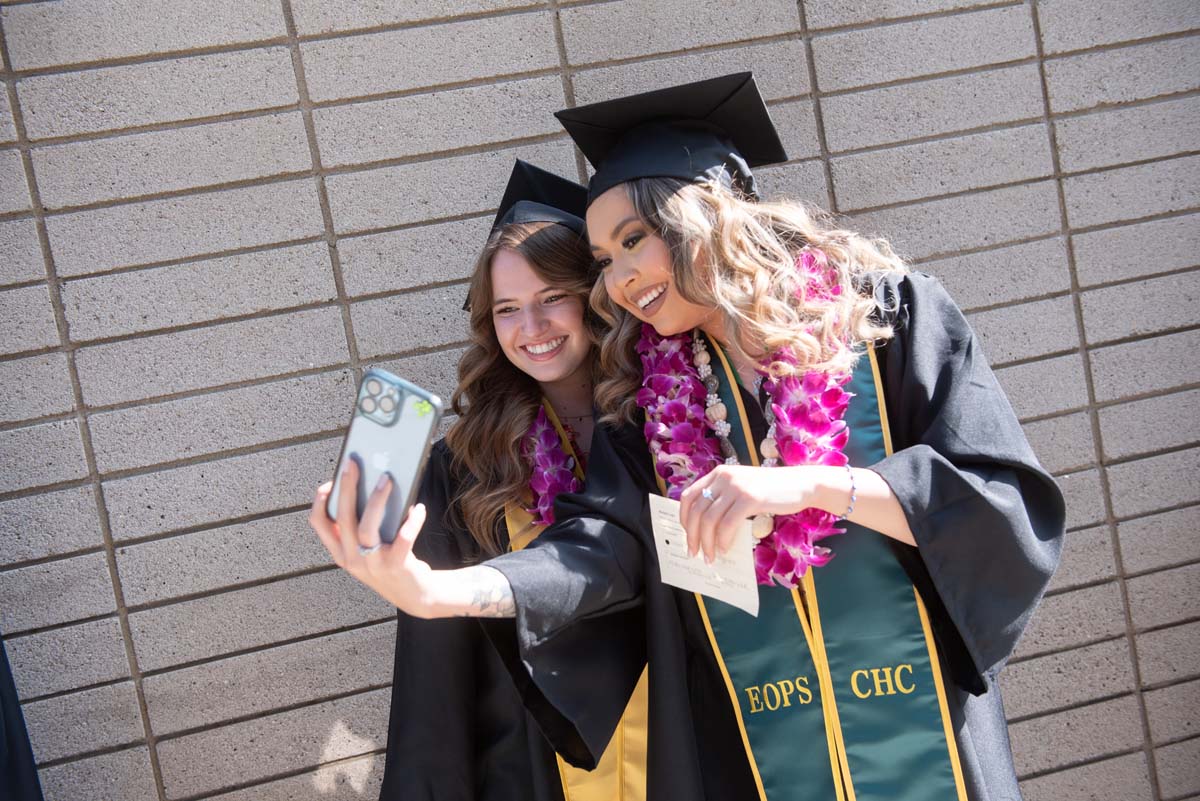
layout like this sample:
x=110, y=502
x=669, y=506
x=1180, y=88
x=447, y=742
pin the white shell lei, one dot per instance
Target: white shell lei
x=717, y=415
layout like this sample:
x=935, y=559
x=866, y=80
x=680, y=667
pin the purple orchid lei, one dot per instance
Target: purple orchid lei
x=807, y=429
x=552, y=471
x=673, y=396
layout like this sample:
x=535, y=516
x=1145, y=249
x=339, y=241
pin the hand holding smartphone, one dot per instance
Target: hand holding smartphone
x=390, y=433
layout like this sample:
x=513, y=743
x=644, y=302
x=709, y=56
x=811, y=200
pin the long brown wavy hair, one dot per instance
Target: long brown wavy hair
x=495, y=401
x=738, y=255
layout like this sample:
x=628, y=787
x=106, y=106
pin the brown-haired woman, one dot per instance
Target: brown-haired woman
x=521, y=437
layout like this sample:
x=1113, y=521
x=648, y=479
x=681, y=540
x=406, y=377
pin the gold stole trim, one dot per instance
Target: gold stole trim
x=620, y=774
x=931, y=646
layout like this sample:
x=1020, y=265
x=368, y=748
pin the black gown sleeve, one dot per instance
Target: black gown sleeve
x=457, y=730
x=18, y=773
x=577, y=645
x=987, y=518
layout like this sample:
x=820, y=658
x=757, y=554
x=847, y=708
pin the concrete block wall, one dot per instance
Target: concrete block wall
x=214, y=213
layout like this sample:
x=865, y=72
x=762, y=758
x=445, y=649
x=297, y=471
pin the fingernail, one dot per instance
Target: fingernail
x=383, y=482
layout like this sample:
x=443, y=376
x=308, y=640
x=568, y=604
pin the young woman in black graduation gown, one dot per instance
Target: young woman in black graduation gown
x=975, y=521
x=458, y=730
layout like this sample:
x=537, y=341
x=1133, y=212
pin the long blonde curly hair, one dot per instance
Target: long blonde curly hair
x=739, y=256
x=495, y=401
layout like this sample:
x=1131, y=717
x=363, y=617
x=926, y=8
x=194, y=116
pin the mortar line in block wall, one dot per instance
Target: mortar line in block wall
x=295, y=175
x=1078, y=763
x=234, y=252
x=306, y=111
x=147, y=58
x=238, y=116
x=18, y=633
x=958, y=133
x=102, y=134
x=568, y=82
x=490, y=147
x=274, y=777
x=1121, y=401
x=1097, y=435
x=233, y=116
x=135, y=198
x=1121, y=45
x=375, y=358
x=57, y=556
x=1128, y=339
x=1166, y=450
x=509, y=10
x=98, y=685
x=885, y=22
x=292, y=36
x=257, y=649
x=55, y=290
x=696, y=49
x=24, y=283
x=275, y=710
x=1074, y=646
x=814, y=89
x=1070, y=707
x=90, y=754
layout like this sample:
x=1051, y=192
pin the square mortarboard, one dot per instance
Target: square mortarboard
x=535, y=195
x=713, y=129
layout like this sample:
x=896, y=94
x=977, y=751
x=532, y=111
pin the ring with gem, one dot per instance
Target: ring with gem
x=706, y=494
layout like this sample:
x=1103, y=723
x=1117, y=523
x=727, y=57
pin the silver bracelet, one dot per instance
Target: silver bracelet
x=853, y=492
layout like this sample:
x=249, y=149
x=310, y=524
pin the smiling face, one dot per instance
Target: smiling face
x=540, y=327
x=636, y=262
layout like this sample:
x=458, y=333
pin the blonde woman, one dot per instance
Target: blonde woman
x=765, y=365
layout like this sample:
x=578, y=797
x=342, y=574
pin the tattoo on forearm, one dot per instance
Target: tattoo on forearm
x=491, y=595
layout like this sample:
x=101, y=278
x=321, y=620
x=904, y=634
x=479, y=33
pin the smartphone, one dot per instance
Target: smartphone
x=391, y=431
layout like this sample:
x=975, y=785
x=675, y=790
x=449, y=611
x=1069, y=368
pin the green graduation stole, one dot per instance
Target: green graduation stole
x=836, y=686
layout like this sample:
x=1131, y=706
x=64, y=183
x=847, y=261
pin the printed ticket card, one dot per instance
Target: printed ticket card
x=730, y=578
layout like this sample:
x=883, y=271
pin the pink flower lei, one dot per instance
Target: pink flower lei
x=552, y=471
x=807, y=429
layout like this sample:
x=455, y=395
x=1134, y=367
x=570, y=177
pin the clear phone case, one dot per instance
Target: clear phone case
x=390, y=432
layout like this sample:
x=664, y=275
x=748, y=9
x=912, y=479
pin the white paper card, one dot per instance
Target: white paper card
x=730, y=578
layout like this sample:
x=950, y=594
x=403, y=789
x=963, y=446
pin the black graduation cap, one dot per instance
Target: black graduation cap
x=713, y=129
x=535, y=195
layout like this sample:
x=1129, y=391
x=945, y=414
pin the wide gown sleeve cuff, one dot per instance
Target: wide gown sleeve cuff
x=574, y=674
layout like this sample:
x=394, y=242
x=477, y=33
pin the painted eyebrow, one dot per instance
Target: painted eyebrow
x=617, y=229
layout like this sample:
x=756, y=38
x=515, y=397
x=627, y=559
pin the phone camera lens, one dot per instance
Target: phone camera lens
x=387, y=403
x=367, y=405
x=373, y=387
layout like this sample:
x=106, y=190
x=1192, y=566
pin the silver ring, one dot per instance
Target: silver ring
x=368, y=551
x=706, y=494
